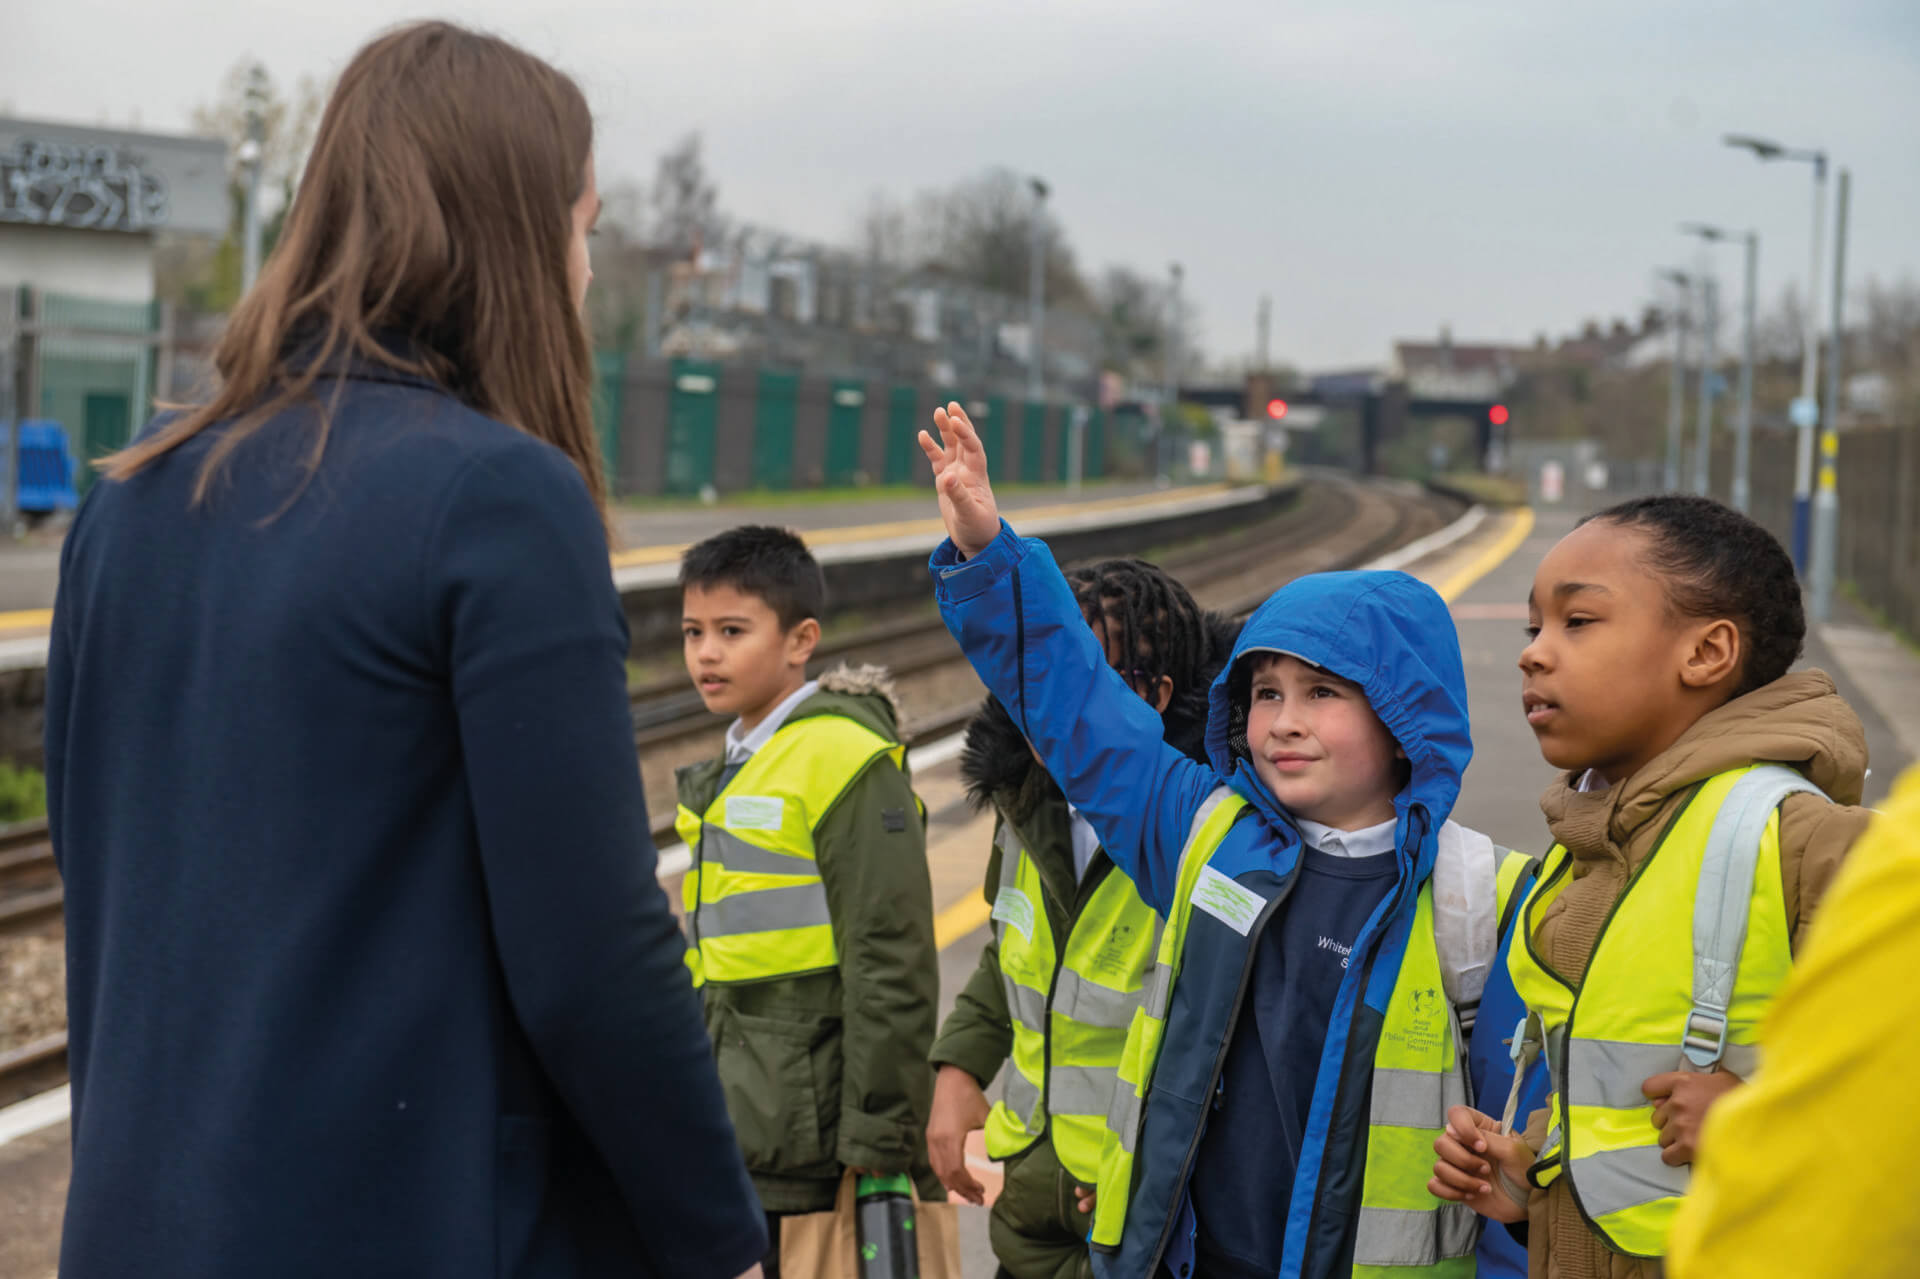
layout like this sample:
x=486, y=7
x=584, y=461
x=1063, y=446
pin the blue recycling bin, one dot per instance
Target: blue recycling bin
x=47, y=469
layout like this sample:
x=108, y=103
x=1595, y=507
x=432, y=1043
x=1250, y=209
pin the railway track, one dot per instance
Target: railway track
x=1337, y=523
x=29, y=882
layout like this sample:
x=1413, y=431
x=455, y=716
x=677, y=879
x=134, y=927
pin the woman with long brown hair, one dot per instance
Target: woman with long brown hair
x=368, y=972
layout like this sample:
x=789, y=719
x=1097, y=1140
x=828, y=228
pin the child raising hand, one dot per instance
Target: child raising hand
x=1328, y=931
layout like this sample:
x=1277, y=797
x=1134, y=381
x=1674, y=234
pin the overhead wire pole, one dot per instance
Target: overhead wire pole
x=1677, y=390
x=1805, y=412
x=1826, y=498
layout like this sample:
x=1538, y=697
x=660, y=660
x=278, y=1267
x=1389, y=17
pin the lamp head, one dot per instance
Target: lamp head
x=1761, y=147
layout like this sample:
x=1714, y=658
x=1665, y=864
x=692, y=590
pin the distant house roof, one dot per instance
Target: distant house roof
x=1461, y=356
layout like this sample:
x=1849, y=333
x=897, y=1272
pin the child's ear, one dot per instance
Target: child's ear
x=1161, y=694
x=802, y=640
x=1713, y=656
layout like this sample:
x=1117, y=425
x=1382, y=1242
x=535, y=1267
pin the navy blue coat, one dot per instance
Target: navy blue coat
x=368, y=971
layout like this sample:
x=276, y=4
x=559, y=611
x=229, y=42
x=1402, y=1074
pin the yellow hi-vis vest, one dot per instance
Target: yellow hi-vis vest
x=1070, y=1011
x=755, y=904
x=1679, y=979
x=1419, y=1072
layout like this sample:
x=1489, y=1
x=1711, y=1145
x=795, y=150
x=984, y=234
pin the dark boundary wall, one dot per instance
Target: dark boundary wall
x=653, y=613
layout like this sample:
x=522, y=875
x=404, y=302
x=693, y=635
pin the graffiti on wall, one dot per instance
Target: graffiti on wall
x=93, y=188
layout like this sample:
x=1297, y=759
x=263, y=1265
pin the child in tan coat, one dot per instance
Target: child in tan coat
x=1662, y=633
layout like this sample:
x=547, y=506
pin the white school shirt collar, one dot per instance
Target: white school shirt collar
x=741, y=746
x=1086, y=842
x=1368, y=841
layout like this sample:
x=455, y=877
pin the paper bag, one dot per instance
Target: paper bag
x=825, y=1245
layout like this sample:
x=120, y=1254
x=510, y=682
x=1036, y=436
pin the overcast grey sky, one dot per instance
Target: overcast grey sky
x=1378, y=167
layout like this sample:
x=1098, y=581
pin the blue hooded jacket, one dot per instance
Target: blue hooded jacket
x=1018, y=623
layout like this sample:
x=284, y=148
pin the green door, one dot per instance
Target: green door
x=609, y=393
x=844, y=411
x=773, y=430
x=991, y=422
x=108, y=425
x=1033, y=441
x=903, y=423
x=1094, y=464
x=693, y=419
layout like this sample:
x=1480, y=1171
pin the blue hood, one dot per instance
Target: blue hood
x=1393, y=636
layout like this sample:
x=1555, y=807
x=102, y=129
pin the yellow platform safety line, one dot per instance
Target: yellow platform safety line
x=933, y=526
x=35, y=619
x=1491, y=556
x=961, y=918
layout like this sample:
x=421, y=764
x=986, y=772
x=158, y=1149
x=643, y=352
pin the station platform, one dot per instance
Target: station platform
x=1484, y=570
x=653, y=537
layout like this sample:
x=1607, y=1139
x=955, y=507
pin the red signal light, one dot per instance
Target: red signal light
x=1497, y=415
x=1276, y=409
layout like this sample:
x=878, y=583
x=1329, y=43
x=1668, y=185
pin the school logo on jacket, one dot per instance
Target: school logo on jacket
x=1426, y=1021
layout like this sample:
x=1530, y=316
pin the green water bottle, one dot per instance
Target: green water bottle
x=883, y=1211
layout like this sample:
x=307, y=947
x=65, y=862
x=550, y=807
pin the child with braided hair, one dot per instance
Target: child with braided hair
x=1055, y=990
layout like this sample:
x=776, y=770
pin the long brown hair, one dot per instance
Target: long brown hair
x=435, y=213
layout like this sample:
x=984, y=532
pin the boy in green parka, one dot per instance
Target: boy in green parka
x=809, y=907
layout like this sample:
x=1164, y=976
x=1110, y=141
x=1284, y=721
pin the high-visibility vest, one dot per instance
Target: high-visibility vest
x=1679, y=979
x=755, y=904
x=1418, y=1073
x=1070, y=1011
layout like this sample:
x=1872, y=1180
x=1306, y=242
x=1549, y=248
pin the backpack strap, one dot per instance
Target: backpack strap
x=1517, y=895
x=1724, y=898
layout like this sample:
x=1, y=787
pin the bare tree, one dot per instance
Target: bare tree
x=207, y=275
x=686, y=203
x=981, y=230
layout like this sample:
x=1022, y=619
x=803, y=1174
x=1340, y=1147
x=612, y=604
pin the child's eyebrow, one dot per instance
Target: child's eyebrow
x=691, y=618
x=1564, y=589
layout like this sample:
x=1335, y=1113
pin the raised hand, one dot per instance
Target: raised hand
x=960, y=480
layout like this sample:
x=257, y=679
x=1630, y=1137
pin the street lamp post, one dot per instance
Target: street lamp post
x=251, y=153
x=1703, y=437
x=1037, y=295
x=1806, y=410
x=1677, y=389
x=1172, y=407
x=1743, y=424
x=1826, y=498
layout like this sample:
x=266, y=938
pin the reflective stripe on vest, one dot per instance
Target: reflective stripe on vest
x=1679, y=979
x=1419, y=1071
x=1070, y=1012
x=755, y=904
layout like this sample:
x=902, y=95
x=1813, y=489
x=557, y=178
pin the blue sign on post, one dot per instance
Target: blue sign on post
x=1804, y=412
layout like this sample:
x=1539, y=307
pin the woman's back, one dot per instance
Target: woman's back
x=319, y=843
